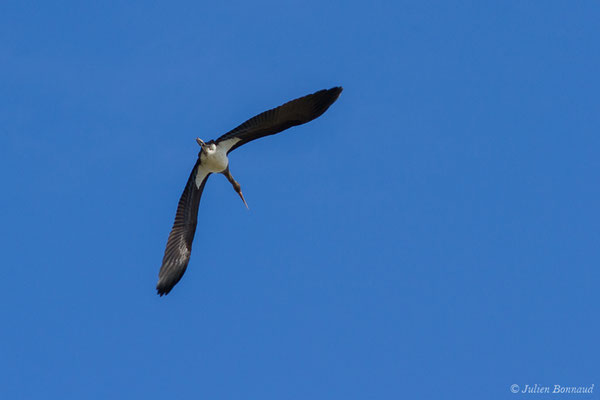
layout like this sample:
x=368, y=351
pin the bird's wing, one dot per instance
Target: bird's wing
x=295, y=112
x=179, y=244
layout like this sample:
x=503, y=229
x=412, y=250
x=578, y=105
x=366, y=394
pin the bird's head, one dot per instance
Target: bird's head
x=208, y=147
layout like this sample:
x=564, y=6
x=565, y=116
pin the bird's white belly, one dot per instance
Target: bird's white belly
x=215, y=161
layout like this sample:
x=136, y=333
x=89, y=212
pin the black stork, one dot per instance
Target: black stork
x=212, y=158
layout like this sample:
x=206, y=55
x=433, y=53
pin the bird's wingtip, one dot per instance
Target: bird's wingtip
x=336, y=91
x=162, y=289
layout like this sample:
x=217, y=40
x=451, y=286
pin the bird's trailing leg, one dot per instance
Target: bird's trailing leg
x=236, y=186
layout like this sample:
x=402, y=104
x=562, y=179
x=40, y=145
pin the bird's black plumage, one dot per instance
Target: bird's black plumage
x=292, y=113
x=179, y=244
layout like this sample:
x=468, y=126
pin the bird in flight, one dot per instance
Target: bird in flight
x=212, y=158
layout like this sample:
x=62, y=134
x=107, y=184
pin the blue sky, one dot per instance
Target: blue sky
x=434, y=235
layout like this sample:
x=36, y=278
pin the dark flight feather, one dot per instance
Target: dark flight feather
x=179, y=244
x=292, y=113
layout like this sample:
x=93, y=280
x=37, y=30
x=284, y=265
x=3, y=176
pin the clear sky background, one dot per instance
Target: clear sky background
x=435, y=234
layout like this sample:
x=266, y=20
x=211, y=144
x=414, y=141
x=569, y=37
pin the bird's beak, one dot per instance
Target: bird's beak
x=200, y=142
x=244, y=200
x=236, y=185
